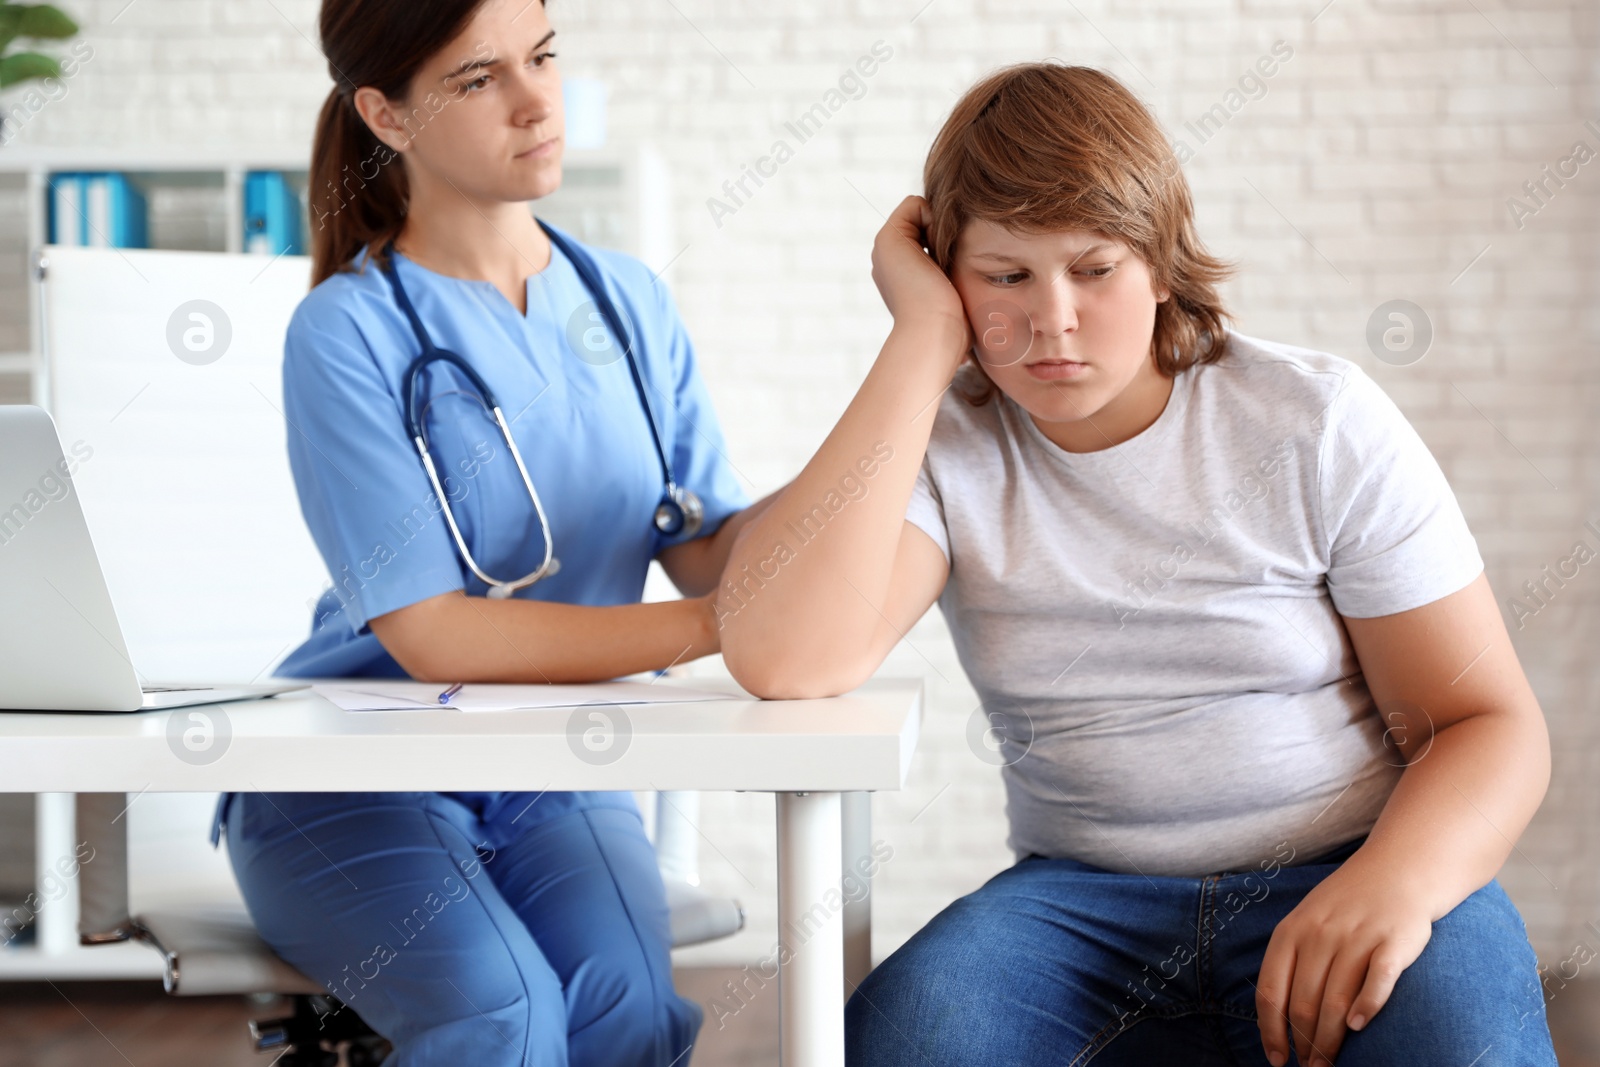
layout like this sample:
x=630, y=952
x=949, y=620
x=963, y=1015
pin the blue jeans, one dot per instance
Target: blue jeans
x=472, y=928
x=1058, y=962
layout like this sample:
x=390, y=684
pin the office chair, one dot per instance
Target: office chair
x=214, y=949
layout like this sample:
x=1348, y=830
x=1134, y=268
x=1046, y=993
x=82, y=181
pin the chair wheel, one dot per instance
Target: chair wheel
x=318, y=1022
x=366, y=1052
x=308, y=1057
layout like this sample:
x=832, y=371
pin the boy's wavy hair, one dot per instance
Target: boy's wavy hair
x=1045, y=147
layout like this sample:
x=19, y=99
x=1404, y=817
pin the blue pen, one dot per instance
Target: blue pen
x=444, y=697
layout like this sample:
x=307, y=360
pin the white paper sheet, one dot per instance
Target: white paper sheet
x=381, y=695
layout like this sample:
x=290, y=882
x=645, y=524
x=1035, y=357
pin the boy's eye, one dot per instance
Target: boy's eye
x=1007, y=279
x=1099, y=272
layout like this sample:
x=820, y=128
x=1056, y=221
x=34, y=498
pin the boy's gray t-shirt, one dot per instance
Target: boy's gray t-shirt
x=1154, y=629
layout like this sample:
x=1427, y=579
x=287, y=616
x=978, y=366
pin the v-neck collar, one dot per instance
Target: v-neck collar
x=488, y=290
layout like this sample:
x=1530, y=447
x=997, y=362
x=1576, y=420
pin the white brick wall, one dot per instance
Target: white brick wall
x=1377, y=166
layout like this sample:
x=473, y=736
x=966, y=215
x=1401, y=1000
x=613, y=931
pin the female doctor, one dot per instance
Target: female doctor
x=481, y=928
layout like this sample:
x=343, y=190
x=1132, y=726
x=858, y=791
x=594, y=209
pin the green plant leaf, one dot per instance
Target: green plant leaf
x=44, y=21
x=24, y=65
x=10, y=19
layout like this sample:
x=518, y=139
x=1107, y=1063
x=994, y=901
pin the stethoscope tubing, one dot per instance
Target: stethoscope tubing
x=596, y=286
x=687, y=505
x=498, y=590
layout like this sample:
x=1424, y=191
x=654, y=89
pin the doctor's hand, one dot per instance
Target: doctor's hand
x=1333, y=961
x=913, y=288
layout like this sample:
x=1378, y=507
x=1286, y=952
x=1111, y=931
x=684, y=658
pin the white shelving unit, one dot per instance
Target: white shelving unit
x=610, y=197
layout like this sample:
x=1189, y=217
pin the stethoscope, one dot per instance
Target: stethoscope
x=680, y=510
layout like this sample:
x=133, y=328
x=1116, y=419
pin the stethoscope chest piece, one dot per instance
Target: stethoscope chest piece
x=680, y=512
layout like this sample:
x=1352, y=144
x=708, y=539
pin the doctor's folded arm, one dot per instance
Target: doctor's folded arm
x=1259, y=767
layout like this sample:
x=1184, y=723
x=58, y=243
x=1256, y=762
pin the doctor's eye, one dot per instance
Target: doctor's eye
x=538, y=60
x=477, y=83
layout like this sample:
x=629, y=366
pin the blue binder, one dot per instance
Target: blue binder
x=271, y=214
x=102, y=209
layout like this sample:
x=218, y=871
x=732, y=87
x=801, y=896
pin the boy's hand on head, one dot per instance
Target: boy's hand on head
x=913, y=288
x=1333, y=961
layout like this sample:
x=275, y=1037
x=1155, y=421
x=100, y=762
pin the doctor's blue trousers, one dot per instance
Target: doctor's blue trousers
x=472, y=928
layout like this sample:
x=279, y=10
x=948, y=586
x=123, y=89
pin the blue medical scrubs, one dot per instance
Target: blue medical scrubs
x=554, y=949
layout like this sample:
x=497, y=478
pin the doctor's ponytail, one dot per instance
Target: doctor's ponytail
x=358, y=192
x=357, y=187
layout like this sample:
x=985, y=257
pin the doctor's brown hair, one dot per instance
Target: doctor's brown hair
x=1045, y=147
x=358, y=192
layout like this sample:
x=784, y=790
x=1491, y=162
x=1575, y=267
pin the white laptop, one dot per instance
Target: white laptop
x=61, y=648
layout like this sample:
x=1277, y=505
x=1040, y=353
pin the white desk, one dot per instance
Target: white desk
x=821, y=758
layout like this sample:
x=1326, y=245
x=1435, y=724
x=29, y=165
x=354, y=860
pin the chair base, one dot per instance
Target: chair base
x=215, y=950
x=212, y=950
x=314, y=1036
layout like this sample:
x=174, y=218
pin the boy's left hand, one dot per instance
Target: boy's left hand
x=1333, y=961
